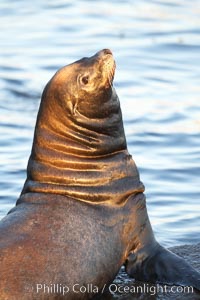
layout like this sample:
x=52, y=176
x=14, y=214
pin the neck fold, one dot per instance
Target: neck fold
x=79, y=160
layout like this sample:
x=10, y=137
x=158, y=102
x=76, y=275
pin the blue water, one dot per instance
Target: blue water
x=156, y=45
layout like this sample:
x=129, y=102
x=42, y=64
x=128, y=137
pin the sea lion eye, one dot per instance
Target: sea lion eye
x=85, y=79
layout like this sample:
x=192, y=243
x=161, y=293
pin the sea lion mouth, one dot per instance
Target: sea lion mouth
x=105, y=57
x=110, y=69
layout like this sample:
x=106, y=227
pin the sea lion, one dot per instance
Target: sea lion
x=82, y=213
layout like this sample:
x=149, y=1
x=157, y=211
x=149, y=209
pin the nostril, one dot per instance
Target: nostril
x=107, y=51
x=103, y=52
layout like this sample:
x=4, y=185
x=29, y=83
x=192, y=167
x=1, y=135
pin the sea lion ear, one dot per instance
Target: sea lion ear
x=72, y=108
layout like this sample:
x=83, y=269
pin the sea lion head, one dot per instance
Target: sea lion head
x=80, y=103
x=85, y=87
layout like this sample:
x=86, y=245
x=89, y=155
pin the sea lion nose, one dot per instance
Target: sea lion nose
x=107, y=51
x=104, y=52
